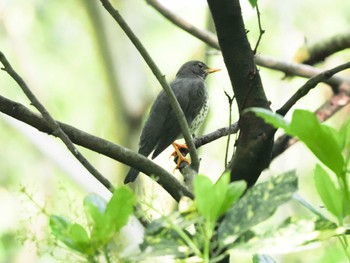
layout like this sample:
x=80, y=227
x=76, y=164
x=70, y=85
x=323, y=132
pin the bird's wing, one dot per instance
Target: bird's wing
x=191, y=95
x=152, y=129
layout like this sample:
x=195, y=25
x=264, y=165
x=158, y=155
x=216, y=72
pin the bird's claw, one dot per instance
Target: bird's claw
x=179, y=155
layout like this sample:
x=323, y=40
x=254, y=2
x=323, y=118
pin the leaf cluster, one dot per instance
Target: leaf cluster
x=105, y=220
x=331, y=147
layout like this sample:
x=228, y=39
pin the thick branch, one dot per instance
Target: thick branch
x=96, y=144
x=322, y=49
x=310, y=84
x=158, y=74
x=256, y=138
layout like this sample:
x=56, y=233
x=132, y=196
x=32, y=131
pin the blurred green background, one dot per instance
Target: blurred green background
x=81, y=66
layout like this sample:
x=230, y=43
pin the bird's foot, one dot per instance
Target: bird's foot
x=177, y=153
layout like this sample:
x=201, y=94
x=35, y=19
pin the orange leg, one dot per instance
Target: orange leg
x=177, y=152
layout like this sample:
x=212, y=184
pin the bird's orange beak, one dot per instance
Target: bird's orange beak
x=212, y=70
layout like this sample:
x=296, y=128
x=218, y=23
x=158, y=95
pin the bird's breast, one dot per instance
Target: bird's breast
x=199, y=119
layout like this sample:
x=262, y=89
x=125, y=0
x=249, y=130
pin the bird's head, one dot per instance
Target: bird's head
x=195, y=68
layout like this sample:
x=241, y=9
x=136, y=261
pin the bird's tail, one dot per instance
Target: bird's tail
x=145, y=150
x=131, y=176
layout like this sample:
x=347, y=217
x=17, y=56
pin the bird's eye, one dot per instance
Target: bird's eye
x=200, y=65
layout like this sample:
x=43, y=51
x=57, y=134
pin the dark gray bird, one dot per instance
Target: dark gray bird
x=162, y=128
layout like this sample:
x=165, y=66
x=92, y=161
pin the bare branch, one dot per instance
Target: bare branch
x=219, y=133
x=295, y=69
x=312, y=54
x=328, y=109
x=310, y=84
x=206, y=36
x=161, y=78
x=335, y=103
x=56, y=129
x=99, y=145
x=230, y=102
x=261, y=31
x=203, y=140
x=290, y=69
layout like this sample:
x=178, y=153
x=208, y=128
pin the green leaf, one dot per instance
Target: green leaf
x=291, y=235
x=161, y=238
x=344, y=134
x=79, y=236
x=269, y=117
x=253, y=3
x=258, y=204
x=329, y=191
x=322, y=140
x=209, y=197
x=73, y=236
x=213, y=200
x=234, y=191
x=120, y=207
x=116, y=215
x=58, y=224
x=95, y=207
x=261, y=258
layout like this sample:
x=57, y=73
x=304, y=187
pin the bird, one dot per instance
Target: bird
x=162, y=127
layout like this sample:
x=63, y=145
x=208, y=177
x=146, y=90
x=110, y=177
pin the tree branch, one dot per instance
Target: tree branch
x=161, y=78
x=210, y=137
x=335, y=103
x=328, y=109
x=206, y=36
x=230, y=102
x=56, y=129
x=295, y=69
x=255, y=140
x=310, y=84
x=261, y=31
x=99, y=145
x=290, y=69
x=323, y=49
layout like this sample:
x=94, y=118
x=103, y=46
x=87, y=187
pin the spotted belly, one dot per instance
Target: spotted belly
x=199, y=118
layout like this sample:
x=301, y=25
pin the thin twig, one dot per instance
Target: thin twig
x=99, y=145
x=261, y=31
x=204, y=35
x=310, y=84
x=217, y=134
x=290, y=69
x=161, y=78
x=296, y=69
x=56, y=129
x=230, y=101
x=328, y=109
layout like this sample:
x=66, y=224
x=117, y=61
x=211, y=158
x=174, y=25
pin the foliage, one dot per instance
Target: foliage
x=50, y=35
x=262, y=259
x=257, y=205
x=331, y=176
x=105, y=220
x=221, y=219
x=201, y=234
x=253, y=3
